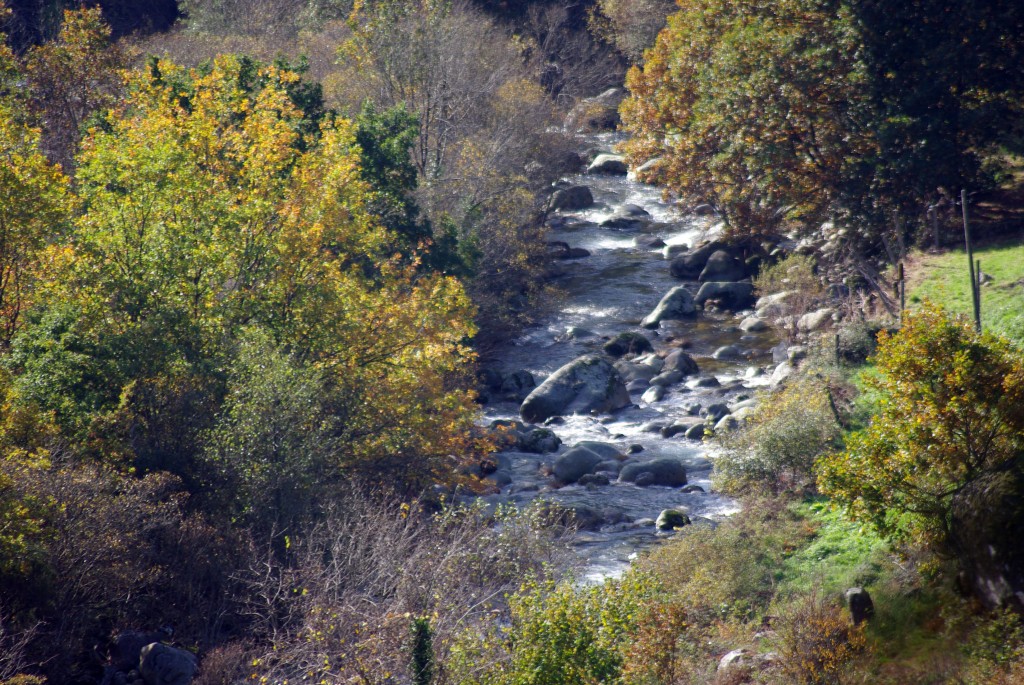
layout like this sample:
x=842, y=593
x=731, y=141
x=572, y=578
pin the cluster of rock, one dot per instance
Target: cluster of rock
x=143, y=658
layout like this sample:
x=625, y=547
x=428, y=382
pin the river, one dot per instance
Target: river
x=607, y=293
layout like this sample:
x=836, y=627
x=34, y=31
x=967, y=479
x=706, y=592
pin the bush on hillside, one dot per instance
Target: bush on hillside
x=952, y=410
x=781, y=441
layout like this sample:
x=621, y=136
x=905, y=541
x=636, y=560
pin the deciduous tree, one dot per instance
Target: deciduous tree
x=753, y=106
x=952, y=410
x=204, y=214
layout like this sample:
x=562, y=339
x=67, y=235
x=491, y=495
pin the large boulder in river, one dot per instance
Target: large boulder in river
x=728, y=295
x=588, y=383
x=575, y=463
x=677, y=304
x=986, y=529
x=609, y=164
x=677, y=360
x=689, y=265
x=572, y=198
x=628, y=217
x=627, y=343
x=723, y=266
x=668, y=472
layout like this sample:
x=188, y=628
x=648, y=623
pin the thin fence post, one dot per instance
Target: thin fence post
x=902, y=284
x=977, y=293
x=970, y=261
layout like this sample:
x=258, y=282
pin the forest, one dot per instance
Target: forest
x=262, y=262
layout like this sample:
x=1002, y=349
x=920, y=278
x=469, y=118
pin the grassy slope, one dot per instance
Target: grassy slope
x=943, y=278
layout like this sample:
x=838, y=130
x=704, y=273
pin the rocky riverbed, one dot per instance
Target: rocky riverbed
x=653, y=343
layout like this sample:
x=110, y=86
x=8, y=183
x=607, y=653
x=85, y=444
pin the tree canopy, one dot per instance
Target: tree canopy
x=806, y=111
x=952, y=410
x=204, y=217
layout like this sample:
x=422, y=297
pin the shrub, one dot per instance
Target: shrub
x=729, y=572
x=795, y=275
x=857, y=341
x=632, y=26
x=338, y=600
x=952, y=411
x=781, y=441
x=561, y=633
x=816, y=641
x=995, y=650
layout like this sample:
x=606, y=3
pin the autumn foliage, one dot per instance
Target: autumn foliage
x=952, y=410
x=203, y=339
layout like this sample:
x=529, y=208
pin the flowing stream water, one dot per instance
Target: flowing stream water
x=607, y=293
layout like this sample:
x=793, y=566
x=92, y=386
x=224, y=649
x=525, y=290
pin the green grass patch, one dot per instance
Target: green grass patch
x=944, y=279
x=841, y=554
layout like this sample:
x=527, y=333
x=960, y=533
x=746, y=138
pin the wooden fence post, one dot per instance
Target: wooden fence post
x=970, y=262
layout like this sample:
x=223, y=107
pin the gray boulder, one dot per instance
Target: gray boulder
x=671, y=519
x=674, y=429
x=628, y=343
x=753, y=324
x=668, y=472
x=782, y=372
x=539, y=441
x=667, y=378
x=575, y=463
x=653, y=394
x=673, y=251
x=815, y=321
x=614, y=165
x=161, y=664
x=606, y=450
x=717, y=411
x=676, y=304
x=609, y=466
x=726, y=424
x=987, y=526
x=729, y=295
x=696, y=432
x=723, y=266
x=588, y=383
x=126, y=646
x=677, y=360
x=572, y=198
x=517, y=385
x=627, y=217
x=689, y=265
x=737, y=660
x=774, y=305
x=728, y=352
x=599, y=113
x=859, y=602
x=631, y=371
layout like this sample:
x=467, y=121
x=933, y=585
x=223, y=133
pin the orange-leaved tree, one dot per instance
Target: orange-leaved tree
x=754, y=106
